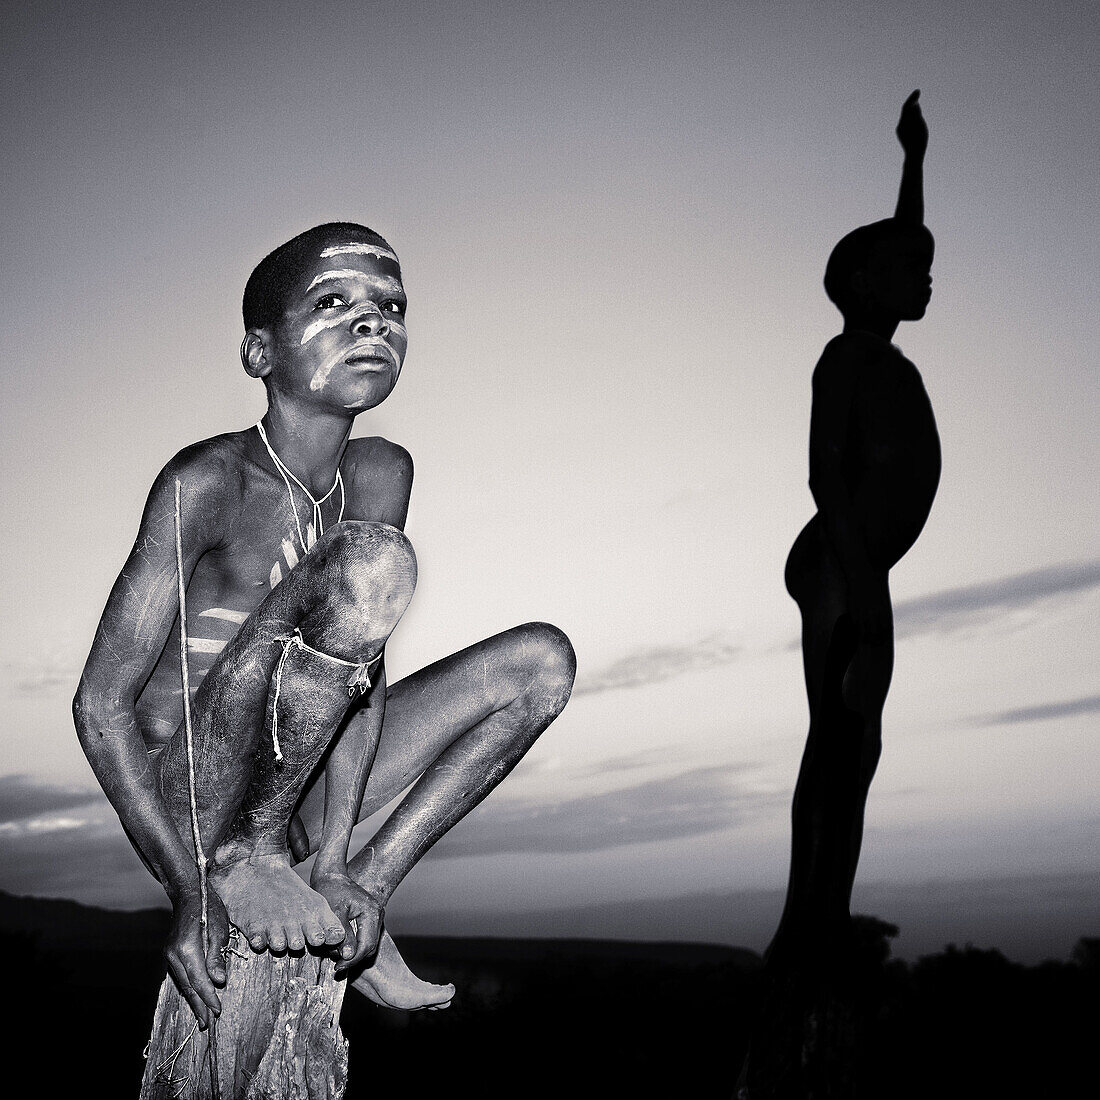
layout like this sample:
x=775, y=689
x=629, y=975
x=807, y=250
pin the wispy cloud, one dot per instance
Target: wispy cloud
x=1088, y=704
x=23, y=797
x=955, y=607
x=937, y=612
x=650, y=664
x=698, y=801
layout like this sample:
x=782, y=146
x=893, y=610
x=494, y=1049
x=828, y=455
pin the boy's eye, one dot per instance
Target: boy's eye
x=330, y=301
x=393, y=307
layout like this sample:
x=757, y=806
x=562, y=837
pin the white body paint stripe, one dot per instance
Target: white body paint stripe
x=343, y=273
x=290, y=553
x=206, y=645
x=360, y=249
x=276, y=575
x=225, y=613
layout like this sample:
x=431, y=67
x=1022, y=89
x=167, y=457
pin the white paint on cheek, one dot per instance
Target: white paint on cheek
x=320, y=326
x=347, y=318
x=360, y=249
x=320, y=376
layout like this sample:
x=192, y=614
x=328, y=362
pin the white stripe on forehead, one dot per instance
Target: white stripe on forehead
x=379, y=250
x=343, y=273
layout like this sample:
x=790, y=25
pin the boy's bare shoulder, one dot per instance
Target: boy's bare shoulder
x=211, y=474
x=213, y=466
x=847, y=354
x=379, y=472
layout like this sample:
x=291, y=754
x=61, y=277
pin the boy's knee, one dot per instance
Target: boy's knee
x=371, y=562
x=367, y=576
x=551, y=658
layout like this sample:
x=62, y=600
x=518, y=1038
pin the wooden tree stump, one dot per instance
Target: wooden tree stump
x=278, y=1036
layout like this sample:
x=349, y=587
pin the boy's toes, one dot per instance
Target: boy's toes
x=295, y=940
x=315, y=933
x=276, y=940
x=257, y=938
x=334, y=933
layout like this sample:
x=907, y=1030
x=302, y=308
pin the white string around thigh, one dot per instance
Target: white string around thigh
x=288, y=476
x=359, y=680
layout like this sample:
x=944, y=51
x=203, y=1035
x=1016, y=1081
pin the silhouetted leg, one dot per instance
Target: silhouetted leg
x=846, y=681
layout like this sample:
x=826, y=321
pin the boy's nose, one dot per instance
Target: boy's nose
x=371, y=324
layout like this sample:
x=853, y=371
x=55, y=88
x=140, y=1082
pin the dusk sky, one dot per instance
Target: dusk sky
x=613, y=220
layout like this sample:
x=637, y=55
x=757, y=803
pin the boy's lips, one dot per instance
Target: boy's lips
x=371, y=357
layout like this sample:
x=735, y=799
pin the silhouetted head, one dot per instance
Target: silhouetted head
x=882, y=268
x=325, y=318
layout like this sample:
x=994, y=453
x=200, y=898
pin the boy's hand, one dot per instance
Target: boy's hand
x=193, y=972
x=359, y=913
x=912, y=130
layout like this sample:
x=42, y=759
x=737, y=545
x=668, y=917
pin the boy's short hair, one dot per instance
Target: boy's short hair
x=853, y=251
x=273, y=277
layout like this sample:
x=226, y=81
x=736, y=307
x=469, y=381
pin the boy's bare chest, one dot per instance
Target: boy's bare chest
x=893, y=415
x=271, y=534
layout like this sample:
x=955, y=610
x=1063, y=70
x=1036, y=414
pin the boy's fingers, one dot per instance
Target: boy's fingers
x=347, y=946
x=215, y=966
x=362, y=941
x=362, y=936
x=187, y=989
x=204, y=987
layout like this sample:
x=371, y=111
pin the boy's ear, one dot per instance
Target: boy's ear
x=860, y=283
x=254, y=357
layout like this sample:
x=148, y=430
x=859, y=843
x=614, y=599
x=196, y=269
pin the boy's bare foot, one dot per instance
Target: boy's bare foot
x=389, y=982
x=270, y=904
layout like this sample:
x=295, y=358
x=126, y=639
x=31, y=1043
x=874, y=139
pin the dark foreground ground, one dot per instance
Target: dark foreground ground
x=573, y=1018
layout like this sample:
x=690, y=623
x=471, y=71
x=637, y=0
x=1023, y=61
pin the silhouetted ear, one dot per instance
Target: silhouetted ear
x=254, y=357
x=860, y=284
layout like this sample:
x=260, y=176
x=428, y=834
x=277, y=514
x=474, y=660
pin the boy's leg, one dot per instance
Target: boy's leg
x=864, y=688
x=818, y=839
x=460, y=725
x=846, y=680
x=343, y=599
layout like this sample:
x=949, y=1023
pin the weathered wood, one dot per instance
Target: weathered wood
x=278, y=1036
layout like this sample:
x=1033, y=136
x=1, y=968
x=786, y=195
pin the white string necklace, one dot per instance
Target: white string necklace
x=318, y=521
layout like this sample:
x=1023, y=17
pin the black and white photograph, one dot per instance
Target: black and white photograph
x=557, y=549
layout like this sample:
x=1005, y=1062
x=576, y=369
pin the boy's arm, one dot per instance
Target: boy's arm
x=352, y=755
x=136, y=622
x=834, y=387
x=912, y=132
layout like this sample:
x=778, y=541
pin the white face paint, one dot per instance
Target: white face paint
x=360, y=249
x=349, y=317
x=342, y=273
x=334, y=319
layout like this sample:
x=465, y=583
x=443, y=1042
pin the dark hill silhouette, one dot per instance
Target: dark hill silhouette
x=582, y=1018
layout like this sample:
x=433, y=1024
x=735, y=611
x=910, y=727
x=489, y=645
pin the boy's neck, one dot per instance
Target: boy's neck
x=310, y=444
x=877, y=326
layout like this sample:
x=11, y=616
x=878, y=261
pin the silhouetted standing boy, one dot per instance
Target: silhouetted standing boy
x=874, y=469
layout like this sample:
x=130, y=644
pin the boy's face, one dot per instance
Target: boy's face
x=899, y=277
x=342, y=339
